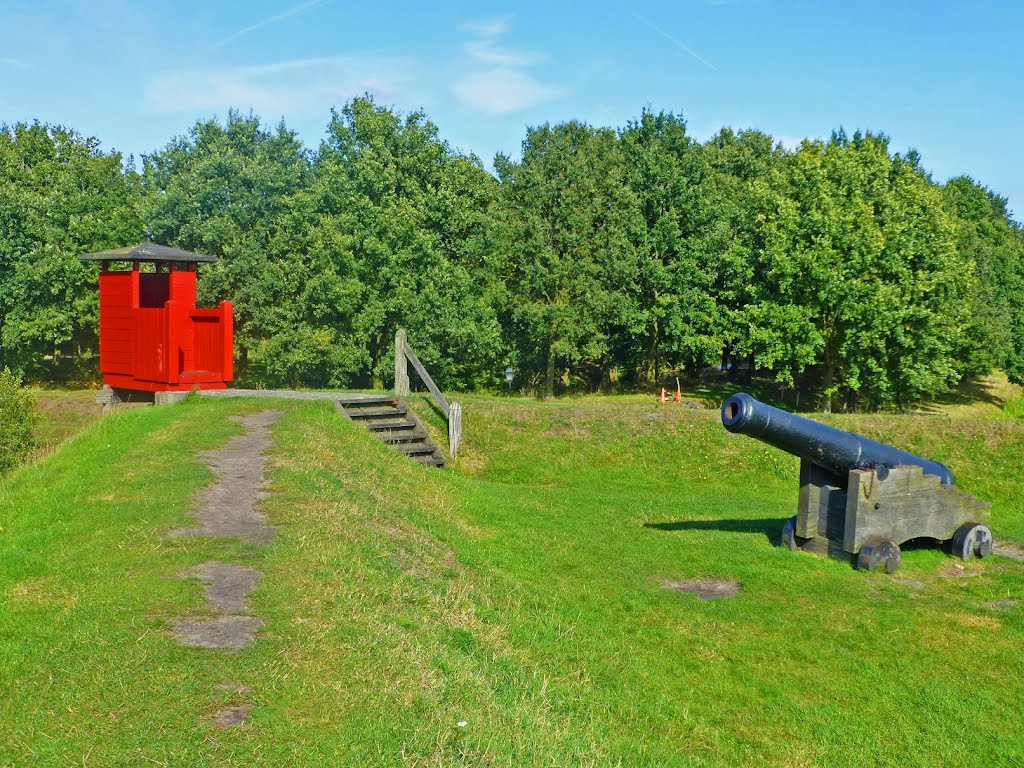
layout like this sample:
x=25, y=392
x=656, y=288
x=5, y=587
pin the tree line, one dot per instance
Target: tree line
x=599, y=258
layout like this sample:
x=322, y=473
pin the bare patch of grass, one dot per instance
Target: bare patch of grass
x=705, y=589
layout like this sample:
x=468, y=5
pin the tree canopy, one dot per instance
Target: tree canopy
x=60, y=196
x=594, y=258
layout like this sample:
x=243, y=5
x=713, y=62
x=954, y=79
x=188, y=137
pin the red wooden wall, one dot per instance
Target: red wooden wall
x=153, y=338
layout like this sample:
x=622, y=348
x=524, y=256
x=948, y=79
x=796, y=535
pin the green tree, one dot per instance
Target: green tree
x=747, y=180
x=859, y=260
x=994, y=243
x=60, y=196
x=226, y=189
x=570, y=223
x=678, y=319
x=397, y=212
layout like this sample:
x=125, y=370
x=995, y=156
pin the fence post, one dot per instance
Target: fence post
x=401, y=365
x=454, y=429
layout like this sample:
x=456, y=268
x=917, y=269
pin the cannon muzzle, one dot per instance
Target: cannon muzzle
x=832, y=449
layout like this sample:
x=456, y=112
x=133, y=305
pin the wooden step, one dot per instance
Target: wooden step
x=396, y=424
x=376, y=413
x=403, y=436
x=359, y=408
x=355, y=401
x=427, y=448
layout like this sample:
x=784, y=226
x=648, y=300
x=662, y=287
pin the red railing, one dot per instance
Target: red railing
x=183, y=346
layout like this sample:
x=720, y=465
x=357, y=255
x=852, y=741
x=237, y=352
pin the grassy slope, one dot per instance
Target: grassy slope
x=61, y=414
x=519, y=594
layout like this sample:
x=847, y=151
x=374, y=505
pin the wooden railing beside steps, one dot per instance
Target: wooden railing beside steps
x=452, y=412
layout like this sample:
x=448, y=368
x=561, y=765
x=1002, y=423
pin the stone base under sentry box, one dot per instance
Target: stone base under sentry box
x=113, y=397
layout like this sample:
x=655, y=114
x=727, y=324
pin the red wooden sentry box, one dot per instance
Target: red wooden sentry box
x=152, y=336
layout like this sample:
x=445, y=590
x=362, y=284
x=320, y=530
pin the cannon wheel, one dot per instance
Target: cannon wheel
x=972, y=540
x=789, y=537
x=879, y=551
x=789, y=534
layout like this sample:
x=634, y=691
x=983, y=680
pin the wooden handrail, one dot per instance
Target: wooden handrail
x=452, y=411
x=438, y=396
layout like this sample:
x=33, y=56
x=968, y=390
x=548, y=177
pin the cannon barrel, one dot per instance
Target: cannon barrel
x=830, y=448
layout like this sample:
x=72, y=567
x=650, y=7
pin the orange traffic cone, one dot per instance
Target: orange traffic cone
x=679, y=393
x=663, y=398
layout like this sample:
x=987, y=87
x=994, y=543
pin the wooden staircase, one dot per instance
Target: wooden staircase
x=391, y=420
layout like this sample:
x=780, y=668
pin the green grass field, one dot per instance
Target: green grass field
x=519, y=593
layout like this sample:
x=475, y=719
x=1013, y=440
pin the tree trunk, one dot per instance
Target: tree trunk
x=549, y=375
x=826, y=384
x=378, y=356
x=653, y=344
x=831, y=333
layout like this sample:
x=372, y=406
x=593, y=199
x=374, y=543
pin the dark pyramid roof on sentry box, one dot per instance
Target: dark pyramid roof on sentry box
x=148, y=251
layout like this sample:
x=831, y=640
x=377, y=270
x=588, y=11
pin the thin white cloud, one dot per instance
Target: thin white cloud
x=676, y=42
x=16, y=63
x=292, y=87
x=293, y=11
x=500, y=90
x=487, y=52
x=494, y=27
x=495, y=80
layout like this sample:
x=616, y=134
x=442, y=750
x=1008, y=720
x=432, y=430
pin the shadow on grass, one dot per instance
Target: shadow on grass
x=992, y=391
x=770, y=528
x=426, y=404
x=968, y=392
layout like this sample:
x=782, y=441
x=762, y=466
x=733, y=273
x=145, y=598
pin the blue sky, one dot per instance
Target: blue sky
x=946, y=78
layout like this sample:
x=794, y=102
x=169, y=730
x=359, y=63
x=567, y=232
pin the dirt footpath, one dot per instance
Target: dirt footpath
x=230, y=507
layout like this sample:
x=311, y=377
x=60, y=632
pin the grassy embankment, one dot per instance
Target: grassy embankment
x=62, y=413
x=520, y=594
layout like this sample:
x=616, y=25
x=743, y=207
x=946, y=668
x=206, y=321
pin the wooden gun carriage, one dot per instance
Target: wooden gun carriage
x=861, y=498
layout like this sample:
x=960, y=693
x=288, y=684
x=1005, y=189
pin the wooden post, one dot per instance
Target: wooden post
x=454, y=429
x=816, y=488
x=227, y=337
x=401, y=365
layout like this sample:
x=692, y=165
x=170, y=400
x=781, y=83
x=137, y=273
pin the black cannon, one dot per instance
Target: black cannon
x=862, y=498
